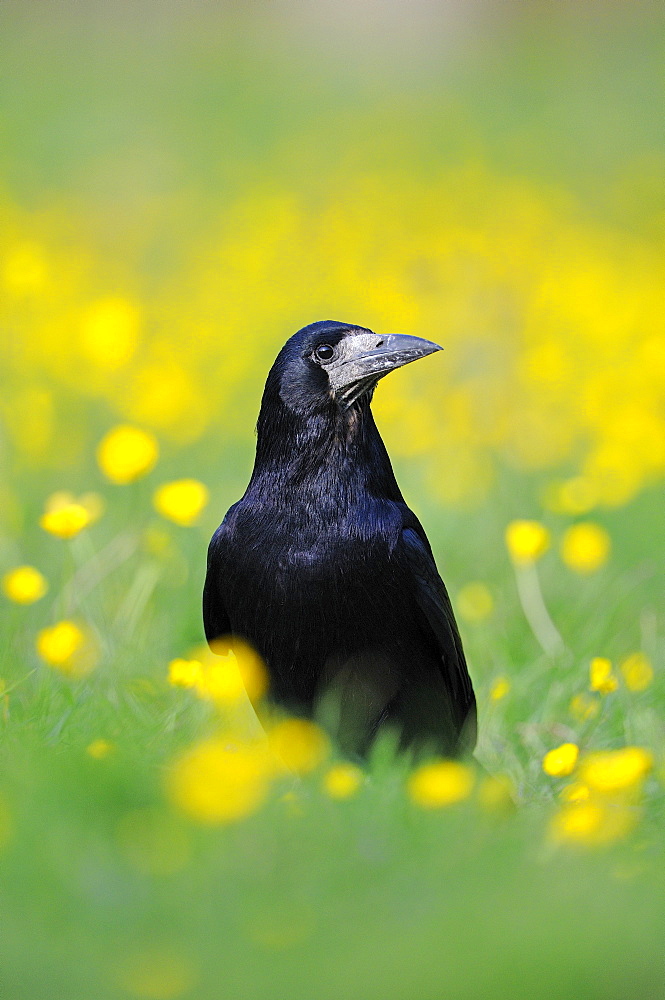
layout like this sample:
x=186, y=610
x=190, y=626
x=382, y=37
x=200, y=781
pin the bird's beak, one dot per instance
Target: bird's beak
x=364, y=358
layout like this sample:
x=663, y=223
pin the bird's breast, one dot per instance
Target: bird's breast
x=327, y=605
x=309, y=569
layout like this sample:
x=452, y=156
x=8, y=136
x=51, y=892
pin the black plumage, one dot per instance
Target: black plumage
x=324, y=569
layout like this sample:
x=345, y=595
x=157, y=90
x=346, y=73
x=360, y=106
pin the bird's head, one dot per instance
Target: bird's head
x=333, y=361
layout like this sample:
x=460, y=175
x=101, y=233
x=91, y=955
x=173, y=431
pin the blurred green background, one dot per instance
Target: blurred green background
x=182, y=186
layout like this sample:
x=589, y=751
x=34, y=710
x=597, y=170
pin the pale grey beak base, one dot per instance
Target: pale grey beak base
x=365, y=358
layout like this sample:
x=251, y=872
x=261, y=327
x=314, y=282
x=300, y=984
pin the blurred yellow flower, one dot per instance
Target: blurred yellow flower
x=220, y=780
x=167, y=397
x=157, y=541
x=562, y=760
x=527, y=541
x=499, y=689
x=109, y=332
x=99, y=749
x=440, y=783
x=126, y=453
x=584, y=706
x=221, y=680
x=496, y=794
x=591, y=823
x=58, y=644
x=25, y=269
x=341, y=781
x=554, y=393
x=573, y=496
x=24, y=584
x=231, y=670
x=601, y=678
x=185, y=673
x=92, y=503
x=637, y=671
x=585, y=547
x=156, y=974
x=616, y=770
x=181, y=501
x=300, y=744
x=68, y=648
x=65, y=521
x=475, y=602
x=576, y=792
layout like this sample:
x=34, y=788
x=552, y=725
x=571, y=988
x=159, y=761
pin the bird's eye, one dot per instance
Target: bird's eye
x=324, y=352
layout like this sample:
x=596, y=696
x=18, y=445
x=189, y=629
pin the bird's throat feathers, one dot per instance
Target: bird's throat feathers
x=324, y=448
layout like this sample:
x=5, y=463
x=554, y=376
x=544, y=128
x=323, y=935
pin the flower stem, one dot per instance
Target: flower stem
x=535, y=611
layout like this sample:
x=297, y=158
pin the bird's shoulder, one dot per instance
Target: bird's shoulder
x=273, y=534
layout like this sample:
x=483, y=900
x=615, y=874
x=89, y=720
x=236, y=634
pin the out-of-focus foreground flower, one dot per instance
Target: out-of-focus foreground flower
x=24, y=584
x=221, y=780
x=68, y=648
x=440, y=783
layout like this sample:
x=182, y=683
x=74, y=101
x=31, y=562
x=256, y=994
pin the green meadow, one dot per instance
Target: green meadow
x=180, y=190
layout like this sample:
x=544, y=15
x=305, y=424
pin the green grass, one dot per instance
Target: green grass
x=370, y=897
x=129, y=143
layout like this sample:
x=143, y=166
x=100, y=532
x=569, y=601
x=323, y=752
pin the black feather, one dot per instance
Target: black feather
x=323, y=568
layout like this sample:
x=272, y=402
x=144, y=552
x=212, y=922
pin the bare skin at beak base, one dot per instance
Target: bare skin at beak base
x=365, y=358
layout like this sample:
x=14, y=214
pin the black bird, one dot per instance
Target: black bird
x=324, y=569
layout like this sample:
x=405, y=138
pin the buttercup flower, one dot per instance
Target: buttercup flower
x=475, y=602
x=577, y=792
x=221, y=780
x=573, y=496
x=181, y=501
x=156, y=974
x=637, y=672
x=300, y=744
x=591, y=823
x=126, y=453
x=231, y=672
x=526, y=541
x=65, y=521
x=584, y=706
x=499, y=689
x=24, y=584
x=616, y=770
x=221, y=680
x=109, y=332
x=601, y=677
x=185, y=673
x=562, y=760
x=68, y=648
x=342, y=781
x=25, y=269
x=440, y=783
x=99, y=749
x=496, y=793
x=585, y=547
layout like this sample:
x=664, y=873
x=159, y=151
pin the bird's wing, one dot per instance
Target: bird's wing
x=215, y=619
x=432, y=599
